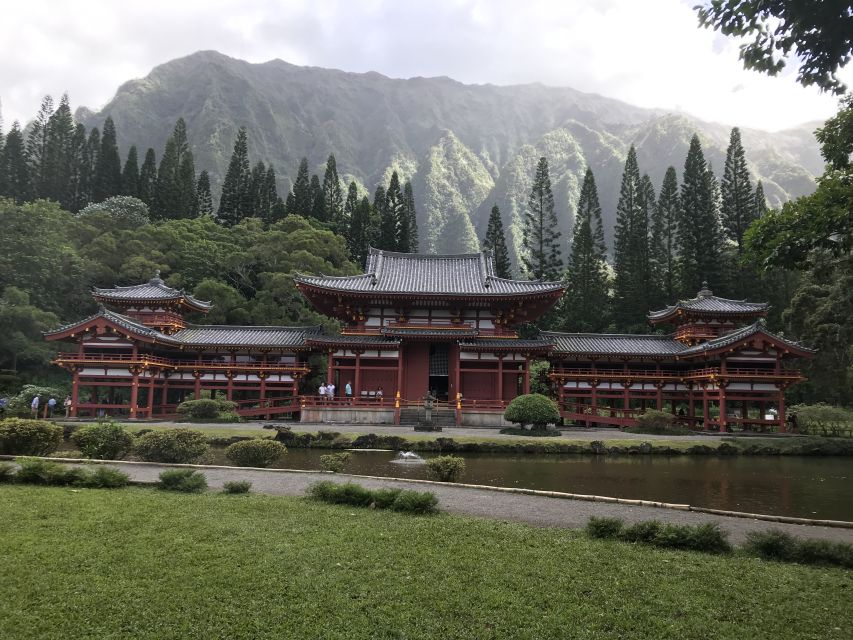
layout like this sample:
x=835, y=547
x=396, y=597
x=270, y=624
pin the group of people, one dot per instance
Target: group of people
x=327, y=391
x=49, y=406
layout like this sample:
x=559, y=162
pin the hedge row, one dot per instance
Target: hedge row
x=47, y=472
x=358, y=496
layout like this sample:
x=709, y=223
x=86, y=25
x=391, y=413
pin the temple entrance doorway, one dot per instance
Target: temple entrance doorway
x=439, y=370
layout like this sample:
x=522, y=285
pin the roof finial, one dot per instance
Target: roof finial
x=156, y=279
x=705, y=292
x=102, y=309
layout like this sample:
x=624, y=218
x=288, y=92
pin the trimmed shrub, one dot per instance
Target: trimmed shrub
x=184, y=480
x=104, y=477
x=19, y=436
x=658, y=423
x=534, y=408
x=704, y=537
x=445, y=468
x=358, y=496
x=172, y=445
x=258, y=452
x=641, y=532
x=604, y=527
x=334, y=462
x=236, y=486
x=104, y=441
x=781, y=546
x=7, y=472
x=19, y=405
x=414, y=502
x=533, y=433
x=208, y=409
x=36, y=471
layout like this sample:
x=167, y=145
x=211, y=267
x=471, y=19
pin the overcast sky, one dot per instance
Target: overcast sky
x=650, y=53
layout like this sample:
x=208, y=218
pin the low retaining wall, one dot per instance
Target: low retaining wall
x=347, y=415
x=474, y=418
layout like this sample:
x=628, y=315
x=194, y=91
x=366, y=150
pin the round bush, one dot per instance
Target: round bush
x=534, y=408
x=445, y=468
x=334, y=462
x=21, y=437
x=107, y=441
x=255, y=453
x=173, y=445
x=236, y=486
x=207, y=409
x=185, y=480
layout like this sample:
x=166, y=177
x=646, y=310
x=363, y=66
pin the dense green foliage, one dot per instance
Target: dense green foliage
x=542, y=257
x=47, y=472
x=657, y=423
x=778, y=545
x=182, y=480
x=402, y=500
x=174, y=445
x=334, y=462
x=216, y=409
x=704, y=537
x=533, y=409
x=445, y=468
x=105, y=441
x=357, y=562
x=19, y=436
x=255, y=453
x=236, y=486
x=495, y=241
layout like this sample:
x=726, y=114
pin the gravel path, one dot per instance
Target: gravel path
x=535, y=510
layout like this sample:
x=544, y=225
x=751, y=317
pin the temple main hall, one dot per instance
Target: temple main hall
x=416, y=324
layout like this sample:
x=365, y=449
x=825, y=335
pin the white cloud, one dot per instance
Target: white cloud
x=649, y=53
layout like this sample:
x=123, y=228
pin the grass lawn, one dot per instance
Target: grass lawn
x=137, y=563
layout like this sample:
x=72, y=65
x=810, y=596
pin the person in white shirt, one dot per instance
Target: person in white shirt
x=323, y=391
x=330, y=390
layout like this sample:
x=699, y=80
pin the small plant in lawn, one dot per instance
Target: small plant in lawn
x=259, y=452
x=172, y=445
x=358, y=496
x=641, y=531
x=36, y=471
x=384, y=498
x=334, y=462
x=778, y=545
x=445, y=468
x=533, y=409
x=415, y=502
x=7, y=472
x=104, y=477
x=22, y=437
x=236, y=486
x=103, y=441
x=184, y=480
x=604, y=527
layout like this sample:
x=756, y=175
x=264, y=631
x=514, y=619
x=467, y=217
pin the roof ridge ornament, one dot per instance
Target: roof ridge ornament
x=705, y=292
x=156, y=279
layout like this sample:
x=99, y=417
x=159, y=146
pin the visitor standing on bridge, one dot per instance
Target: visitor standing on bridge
x=323, y=391
x=35, y=407
x=348, y=391
x=67, y=404
x=51, y=405
x=330, y=391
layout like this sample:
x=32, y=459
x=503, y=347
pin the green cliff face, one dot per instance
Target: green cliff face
x=464, y=147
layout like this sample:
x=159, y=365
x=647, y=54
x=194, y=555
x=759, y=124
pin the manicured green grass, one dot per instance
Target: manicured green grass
x=137, y=563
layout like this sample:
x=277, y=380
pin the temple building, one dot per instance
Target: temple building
x=416, y=324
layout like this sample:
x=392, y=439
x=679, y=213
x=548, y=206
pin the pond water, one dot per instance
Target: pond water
x=806, y=487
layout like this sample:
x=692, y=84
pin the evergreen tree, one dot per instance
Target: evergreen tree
x=642, y=236
x=275, y=206
x=203, y=196
x=663, y=247
x=108, y=166
x=760, y=201
x=354, y=228
x=176, y=184
x=37, y=146
x=698, y=227
x=130, y=174
x=585, y=303
x=542, y=257
x=318, y=200
x=631, y=249
x=302, y=191
x=411, y=215
x=738, y=201
x=397, y=214
x=258, y=205
x=333, y=196
x=495, y=241
x=360, y=234
x=147, y=185
x=88, y=165
x=235, y=200
x=14, y=169
x=79, y=180
x=58, y=160
x=290, y=204
x=387, y=238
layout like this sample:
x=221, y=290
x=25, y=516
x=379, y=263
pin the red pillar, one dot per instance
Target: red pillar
x=151, y=394
x=229, y=390
x=75, y=392
x=134, y=392
x=526, y=375
x=357, y=390
x=706, y=418
x=329, y=365
x=626, y=401
x=782, y=426
x=501, y=377
x=659, y=400
x=722, y=409
x=197, y=389
x=399, y=370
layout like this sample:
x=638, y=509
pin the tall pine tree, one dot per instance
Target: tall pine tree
x=663, y=245
x=397, y=214
x=176, y=183
x=542, y=257
x=738, y=201
x=58, y=160
x=79, y=169
x=147, y=185
x=356, y=228
x=37, y=138
x=318, y=200
x=585, y=305
x=235, y=201
x=302, y=191
x=333, y=202
x=759, y=200
x=130, y=174
x=108, y=166
x=631, y=250
x=387, y=238
x=698, y=226
x=14, y=169
x=495, y=241
x=411, y=215
x=203, y=196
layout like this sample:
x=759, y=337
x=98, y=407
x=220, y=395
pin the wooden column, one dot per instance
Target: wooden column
x=197, y=388
x=526, y=375
x=782, y=426
x=329, y=365
x=659, y=397
x=722, y=402
x=229, y=390
x=75, y=392
x=501, y=377
x=356, y=392
x=626, y=400
x=706, y=419
x=164, y=398
x=151, y=394
x=134, y=391
x=399, y=370
x=691, y=404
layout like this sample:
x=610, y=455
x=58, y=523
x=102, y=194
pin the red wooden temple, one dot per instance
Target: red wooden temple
x=414, y=324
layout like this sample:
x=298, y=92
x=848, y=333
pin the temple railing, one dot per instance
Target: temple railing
x=146, y=360
x=690, y=374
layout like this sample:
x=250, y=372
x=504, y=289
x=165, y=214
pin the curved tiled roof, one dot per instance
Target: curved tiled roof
x=405, y=273
x=706, y=301
x=738, y=335
x=452, y=332
x=238, y=336
x=512, y=343
x=613, y=344
x=155, y=290
x=124, y=322
x=355, y=340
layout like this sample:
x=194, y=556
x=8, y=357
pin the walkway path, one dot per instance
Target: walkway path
x=535, y=510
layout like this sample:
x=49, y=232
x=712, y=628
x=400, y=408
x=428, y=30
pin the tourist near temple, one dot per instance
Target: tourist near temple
x=413, y=325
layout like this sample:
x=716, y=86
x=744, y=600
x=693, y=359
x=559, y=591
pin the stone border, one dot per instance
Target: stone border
x=841, y=524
